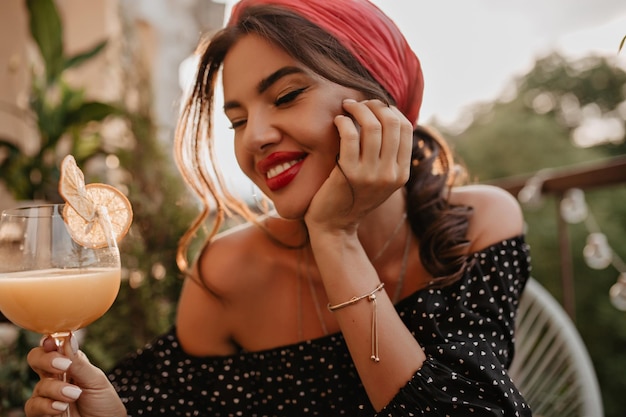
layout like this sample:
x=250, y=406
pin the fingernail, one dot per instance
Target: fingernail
x=71, y=392
x=62, y=364
x=349, y=100
x=74, y=343
x=59, y=406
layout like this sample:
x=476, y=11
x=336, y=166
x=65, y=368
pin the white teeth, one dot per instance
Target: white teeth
x=279, y=169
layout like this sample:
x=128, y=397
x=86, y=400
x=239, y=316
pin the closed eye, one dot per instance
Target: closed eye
x=283, y=100
x=289, y=97
x=237, y=123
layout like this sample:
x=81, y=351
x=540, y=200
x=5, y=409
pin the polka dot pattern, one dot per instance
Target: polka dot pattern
x=465, y=329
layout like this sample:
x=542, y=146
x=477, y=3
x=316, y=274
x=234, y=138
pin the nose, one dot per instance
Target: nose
x=260, y=131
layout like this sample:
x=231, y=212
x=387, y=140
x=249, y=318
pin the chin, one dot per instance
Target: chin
x=291, y=212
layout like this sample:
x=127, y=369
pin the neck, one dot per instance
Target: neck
x=377, y=230
x=380, y=227
x=288, y=233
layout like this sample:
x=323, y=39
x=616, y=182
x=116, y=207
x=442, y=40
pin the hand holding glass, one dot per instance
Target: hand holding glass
x=49, y=283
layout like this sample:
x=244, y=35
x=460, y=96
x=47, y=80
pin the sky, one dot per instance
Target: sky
x=472, y=50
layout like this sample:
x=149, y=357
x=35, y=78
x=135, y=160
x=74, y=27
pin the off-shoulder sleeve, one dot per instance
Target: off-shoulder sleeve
x=467, y=333
x=162, y=380
x=311, y=378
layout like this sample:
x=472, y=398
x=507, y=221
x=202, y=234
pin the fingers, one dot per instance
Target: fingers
x=374, y=162
x=377, y=142
x=48, y=344
x=47, y=362
x=51, y=397
x=405, y=146
x=365, y=137
x=40, y=407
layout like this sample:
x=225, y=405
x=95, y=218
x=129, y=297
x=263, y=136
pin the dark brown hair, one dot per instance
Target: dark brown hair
x=440, y=227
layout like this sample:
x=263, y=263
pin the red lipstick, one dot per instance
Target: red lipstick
x=280, y=168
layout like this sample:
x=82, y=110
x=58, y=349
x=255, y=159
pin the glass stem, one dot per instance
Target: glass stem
x=60, y=339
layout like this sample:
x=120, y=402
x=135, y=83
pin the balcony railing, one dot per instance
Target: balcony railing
x=556, y=183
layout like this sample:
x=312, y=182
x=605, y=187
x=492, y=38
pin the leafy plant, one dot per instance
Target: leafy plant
x=60, y=112
x=65, y=122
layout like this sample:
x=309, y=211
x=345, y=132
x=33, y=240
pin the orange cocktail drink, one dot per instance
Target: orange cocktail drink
x=57, y=300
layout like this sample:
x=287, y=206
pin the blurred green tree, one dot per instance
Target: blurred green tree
x=162, y=208
x=560, y=105
x=60, y=111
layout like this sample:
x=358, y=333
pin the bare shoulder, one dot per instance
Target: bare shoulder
x=225, y=262
x=497, y=214
x=205, y=321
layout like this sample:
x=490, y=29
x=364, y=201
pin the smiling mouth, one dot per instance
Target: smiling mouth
x=281, y=174
x=279, y=169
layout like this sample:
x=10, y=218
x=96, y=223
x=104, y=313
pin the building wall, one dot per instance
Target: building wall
x=14, y=68
x=174, y=28
x=166, y=32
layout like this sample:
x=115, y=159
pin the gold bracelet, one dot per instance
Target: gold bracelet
x=371, y=296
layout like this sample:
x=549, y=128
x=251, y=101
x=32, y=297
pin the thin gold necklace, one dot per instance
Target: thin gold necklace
x=316, y=303
x=299, y=298
x=396, y=296
x=405, y=258
x=383, y=248
x=318, y=309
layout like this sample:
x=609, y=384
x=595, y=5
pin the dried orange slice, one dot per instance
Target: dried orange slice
x=94, y=213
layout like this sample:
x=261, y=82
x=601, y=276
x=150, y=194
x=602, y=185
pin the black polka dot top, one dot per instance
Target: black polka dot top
x=465, y=329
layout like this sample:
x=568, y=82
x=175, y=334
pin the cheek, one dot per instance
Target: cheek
x=244, y=159
x=332, y=140
x=322, y=127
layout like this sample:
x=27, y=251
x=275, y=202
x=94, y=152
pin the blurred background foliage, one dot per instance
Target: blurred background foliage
x=61, y=113
x=561, y=113
x=564, y=113
x=135, y=162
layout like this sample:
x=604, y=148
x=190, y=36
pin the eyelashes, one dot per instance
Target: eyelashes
x=283, y=100
x=235, y=125
x=289, y=97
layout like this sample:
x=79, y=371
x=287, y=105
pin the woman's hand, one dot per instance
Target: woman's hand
x=88, y=395
x=374, y=161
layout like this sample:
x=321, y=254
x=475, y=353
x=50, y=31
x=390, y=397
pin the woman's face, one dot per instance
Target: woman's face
x=283, y=118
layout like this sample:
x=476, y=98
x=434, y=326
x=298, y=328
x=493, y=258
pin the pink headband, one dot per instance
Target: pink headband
x=373, y=39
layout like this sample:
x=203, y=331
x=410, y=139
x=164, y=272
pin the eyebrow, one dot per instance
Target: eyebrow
x=267, y=82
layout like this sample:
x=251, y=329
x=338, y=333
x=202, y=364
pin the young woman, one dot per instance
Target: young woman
x=377, y=287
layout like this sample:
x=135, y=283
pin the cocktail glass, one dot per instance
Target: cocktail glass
x=49, y=283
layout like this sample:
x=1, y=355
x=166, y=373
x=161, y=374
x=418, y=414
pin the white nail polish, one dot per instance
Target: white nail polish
x=71, y=392
x=59, y=406
x=62, y=364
